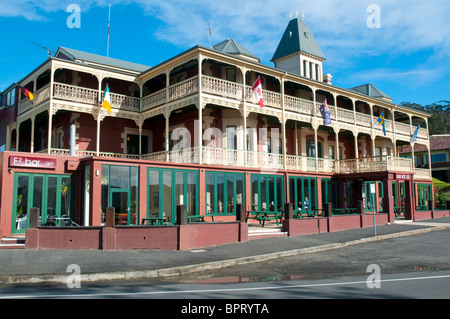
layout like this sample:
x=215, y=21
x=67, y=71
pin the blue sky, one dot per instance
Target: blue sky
x=407, y=57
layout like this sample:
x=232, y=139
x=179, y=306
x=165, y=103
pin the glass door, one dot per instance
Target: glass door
x=120, y=200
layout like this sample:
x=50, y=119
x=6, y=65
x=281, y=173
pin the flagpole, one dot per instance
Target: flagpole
x=109, y=22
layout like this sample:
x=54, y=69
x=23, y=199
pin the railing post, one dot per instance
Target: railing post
x=110, y=217
x=181, y=215
x=240, y=213
x=34, y=218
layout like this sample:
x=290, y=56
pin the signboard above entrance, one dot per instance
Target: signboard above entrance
x=32, y=162
x=403, y=177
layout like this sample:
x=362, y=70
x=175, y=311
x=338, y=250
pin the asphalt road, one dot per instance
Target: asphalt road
x=414, y=254
x=415, y=266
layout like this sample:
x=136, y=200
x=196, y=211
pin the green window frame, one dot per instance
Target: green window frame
x=167, y=188
x=371, y=203
x=112, y=183
x=223, y=190
x=267, y=192
x=328, y=192
x=424, y=193
x=303, y=193
x=57, y=203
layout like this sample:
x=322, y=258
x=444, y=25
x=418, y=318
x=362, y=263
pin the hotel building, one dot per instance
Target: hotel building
x=188, y=131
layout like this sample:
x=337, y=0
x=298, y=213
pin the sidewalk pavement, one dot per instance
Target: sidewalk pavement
x=19, y=266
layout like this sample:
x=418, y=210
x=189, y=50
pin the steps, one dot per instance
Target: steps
x=12, y=242
x=257, y=232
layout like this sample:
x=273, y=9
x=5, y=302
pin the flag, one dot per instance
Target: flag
x=107, y=100
x=325, y=110
x=414, y=136
x=27, y=93
x=257, y=91
x=381, y=121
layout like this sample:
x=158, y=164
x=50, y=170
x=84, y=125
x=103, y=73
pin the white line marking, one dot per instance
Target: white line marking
x=219, y=290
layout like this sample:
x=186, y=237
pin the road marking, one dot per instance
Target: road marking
x=219, y=290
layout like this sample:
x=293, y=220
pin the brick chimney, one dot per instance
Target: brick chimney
x=327, y=78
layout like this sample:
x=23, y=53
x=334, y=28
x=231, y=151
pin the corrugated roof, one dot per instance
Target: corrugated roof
x=297, y=38
x=370, y=90
x=230, y=46
x=436, y=143
x=75, y=55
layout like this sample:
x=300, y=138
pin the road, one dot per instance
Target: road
x=407, y=267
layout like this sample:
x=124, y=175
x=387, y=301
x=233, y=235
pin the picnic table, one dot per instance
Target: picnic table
x=307, y=213
x=154, y=220
x=344, y=211
x=399, y=210
x=262, y=216
x=200, y=217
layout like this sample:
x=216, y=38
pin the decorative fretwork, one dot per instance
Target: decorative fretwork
x=75, y=93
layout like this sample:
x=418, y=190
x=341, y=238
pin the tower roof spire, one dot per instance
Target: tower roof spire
x=297, y=39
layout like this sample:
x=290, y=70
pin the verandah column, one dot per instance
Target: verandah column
x=283, y=122
x=200, y=111
x=244, y=113
x=33, y=118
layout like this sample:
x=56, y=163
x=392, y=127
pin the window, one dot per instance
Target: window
x=231, y=137
x=331, y=152
x=120, y=187
x=231, y=74
x=52, y=194
x=328, y=192
x=267, y=192
x=223, y=192
x=303, y=193
x=168, y=188
x=311, y=150
x=10, y=98
x=424, y=192
x=440, y=157
x=276, y=148
x=133, y=144
x=249, y=134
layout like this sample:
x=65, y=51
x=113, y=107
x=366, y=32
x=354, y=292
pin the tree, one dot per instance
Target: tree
x=440, y=115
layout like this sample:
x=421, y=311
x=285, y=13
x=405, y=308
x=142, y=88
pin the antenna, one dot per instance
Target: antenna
x=49, y=52
x=210, y=35
x=109, y=22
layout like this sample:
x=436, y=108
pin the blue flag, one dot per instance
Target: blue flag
x=381, y=121
x=325, y=113
x=414, y=136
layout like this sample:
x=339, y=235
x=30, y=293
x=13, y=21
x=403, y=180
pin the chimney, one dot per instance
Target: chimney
x=327, y=78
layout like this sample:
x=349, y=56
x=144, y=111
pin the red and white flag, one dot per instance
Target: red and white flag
x=257, y=91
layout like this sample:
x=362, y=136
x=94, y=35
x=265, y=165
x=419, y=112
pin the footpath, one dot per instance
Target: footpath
x=21, y=266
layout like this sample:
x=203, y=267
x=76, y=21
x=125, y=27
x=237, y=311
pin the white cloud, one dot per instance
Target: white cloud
x=339, y=26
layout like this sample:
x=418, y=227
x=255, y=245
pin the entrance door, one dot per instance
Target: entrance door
x=120, y=200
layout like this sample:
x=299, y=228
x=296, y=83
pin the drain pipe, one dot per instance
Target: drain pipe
x=72, y=135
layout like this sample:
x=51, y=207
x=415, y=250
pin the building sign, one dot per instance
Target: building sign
x=403, y=177
x=32, y=162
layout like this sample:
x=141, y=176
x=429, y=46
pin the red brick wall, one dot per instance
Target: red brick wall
x=296, y=227
x=137, y=237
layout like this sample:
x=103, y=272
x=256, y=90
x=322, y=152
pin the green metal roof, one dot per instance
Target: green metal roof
x=98, y=59
x=297, y=38
x=230, y=46
x=370, y=90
